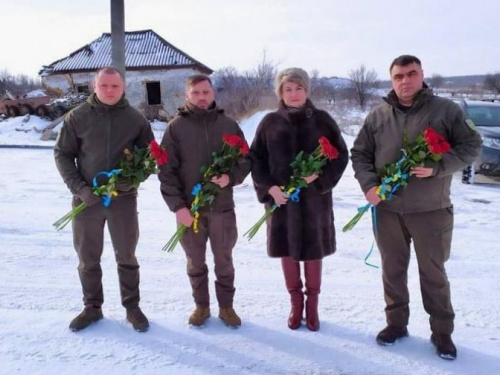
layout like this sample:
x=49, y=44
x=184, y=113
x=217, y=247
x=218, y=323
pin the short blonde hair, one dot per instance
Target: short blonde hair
x=295, y=75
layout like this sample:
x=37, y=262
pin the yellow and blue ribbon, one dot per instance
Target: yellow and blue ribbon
x=106, y=199
x=294, y=196
x=195, y=191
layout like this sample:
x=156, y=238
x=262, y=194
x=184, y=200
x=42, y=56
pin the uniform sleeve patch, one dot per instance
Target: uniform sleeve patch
x=471, y=124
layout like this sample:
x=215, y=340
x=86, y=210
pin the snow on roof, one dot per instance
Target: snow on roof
x=36, y=93
x=143, y=49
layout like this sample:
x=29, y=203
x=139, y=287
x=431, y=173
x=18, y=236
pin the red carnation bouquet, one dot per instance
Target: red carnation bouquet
x=138, y=165
x=204, y=192
x=428, y=146
x=233, y=147
x=436, y=143
x=303, y=165
x=135, y=167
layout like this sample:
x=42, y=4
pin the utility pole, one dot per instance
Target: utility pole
x=118, y=35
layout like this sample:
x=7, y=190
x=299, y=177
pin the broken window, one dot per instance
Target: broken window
x=153, y=92
x=82, y=89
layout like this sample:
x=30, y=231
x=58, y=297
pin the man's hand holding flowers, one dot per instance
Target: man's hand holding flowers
x=221, y=181
x=215, y=177
x=123, y=184
x=433, y=145
x=427, y=149
x=135, y=167
x=421, y=172
x=372, y=197
x=184, y=217
x=87, y=196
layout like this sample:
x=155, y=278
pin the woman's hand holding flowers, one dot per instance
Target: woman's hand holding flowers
x=311, y=178
x=278, y=195
x=306, y=168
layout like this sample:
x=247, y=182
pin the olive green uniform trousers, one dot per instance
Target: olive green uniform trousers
x=88, y=237
x=220, y=229
x=431, y=234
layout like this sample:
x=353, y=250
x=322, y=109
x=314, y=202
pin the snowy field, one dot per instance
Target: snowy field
x=41, y=293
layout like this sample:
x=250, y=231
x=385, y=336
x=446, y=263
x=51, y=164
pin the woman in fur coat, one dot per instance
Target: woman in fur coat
x=297, y=231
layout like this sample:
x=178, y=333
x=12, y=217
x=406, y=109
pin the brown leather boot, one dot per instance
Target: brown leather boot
x=89, y=315
x=291, y=270
x=138, y=320
x=199, y=316
x=312, y=270
x=229, y=317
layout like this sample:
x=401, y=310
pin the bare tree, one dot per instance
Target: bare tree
x=492, y=82
x=226, y=81
x=322, y=88
x=363, y=82
x=17, y=85
x=436, y=81
x=226, y=78
x=242, y=93
x=264, y=73
x=330, y=91
x=314, y=75
x=6, y=80
x=316, y=93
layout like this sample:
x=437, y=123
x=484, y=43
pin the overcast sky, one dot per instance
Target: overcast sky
x=332, y=36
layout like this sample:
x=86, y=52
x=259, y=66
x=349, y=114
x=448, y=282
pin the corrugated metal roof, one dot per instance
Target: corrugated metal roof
x=143, y=49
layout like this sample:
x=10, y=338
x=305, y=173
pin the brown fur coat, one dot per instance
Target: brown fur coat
x=303, y=230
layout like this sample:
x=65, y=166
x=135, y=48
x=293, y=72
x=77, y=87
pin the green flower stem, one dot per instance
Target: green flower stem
x=352, y=223
x=174, y=240
x=63, y=221
x=255, y=228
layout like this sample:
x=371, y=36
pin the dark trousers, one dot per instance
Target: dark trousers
x=431, y=233
x=88, y=239
x=220, y=229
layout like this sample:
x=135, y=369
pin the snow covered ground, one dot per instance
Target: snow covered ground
x=40, y=291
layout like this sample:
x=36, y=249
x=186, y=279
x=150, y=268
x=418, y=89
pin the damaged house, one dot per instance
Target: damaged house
x=155, y=71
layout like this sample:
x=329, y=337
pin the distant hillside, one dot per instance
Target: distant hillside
x=339, y=82
x=451, y=82
x=464, y=81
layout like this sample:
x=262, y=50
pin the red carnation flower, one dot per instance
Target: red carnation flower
x=327, y=149
x=232, y=140
x=430, y=135
x=158, y=153
x=244, y=149
x=445, y=147
x=436, y=142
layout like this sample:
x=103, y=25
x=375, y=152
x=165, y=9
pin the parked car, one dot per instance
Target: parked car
x=486, y=117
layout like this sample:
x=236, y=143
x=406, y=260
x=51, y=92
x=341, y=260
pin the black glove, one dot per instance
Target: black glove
x=87, y=196
x=123, y=184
